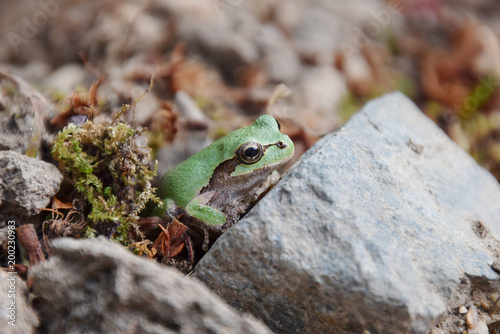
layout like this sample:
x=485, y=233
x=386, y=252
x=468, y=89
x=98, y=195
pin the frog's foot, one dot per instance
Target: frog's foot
x=233, y=212
x=169, y=210
x=206, y=240
x=195, y=227
x=209, y=216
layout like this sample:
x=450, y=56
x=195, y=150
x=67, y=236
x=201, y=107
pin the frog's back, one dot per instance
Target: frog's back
x=186, y=180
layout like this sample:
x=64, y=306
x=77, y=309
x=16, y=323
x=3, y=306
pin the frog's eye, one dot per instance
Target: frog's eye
x=249, y=153
x=279, y=125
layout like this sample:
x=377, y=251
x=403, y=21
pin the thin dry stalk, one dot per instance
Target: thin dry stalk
x=29, y=240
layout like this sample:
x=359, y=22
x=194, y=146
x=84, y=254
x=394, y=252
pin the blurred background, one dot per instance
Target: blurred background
x=193, y=70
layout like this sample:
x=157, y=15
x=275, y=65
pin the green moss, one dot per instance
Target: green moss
x=433, y=110
x=58, y=95
x=474, y=102
x=406, y=85
x=349, y=105
x=89, y=232
x=214, y=111
x=110, y=174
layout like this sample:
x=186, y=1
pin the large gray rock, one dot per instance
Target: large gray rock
x=26, y=184
x=373, y=229
x=97, y=286
x=16, y=314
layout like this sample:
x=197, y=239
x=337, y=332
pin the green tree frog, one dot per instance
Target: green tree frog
x=220, y=182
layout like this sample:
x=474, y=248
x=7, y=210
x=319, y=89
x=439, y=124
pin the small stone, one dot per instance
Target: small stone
x=240, y=41
x=475, y=322
x=320, y=90
x=66, y=78
x=26, y=184
x=462, y=310
x=189, y=109
x=17, y=122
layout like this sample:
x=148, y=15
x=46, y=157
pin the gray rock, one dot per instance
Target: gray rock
x=224, y=42
x=319, y=92
x=325, y=25
x=238, y=40
x=373, y=229
x=282, y=62
x=17, y=315
x=16, y=123
x=97, y=286
x=25, y=184
x=189, y=109
x=66, y=78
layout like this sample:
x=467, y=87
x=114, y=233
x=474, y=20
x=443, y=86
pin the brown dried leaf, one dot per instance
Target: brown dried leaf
x=171, y=241
x=165, y=122
x=57, y=204
x=78, y=105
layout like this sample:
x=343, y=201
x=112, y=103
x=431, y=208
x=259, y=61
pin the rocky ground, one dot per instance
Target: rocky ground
x=383, y=226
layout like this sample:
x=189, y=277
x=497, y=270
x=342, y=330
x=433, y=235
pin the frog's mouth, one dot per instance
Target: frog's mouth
x=280, y=144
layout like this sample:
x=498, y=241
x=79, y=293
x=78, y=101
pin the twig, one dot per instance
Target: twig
x=29, y=240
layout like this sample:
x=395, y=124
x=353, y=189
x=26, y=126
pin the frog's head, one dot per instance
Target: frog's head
x=261, y=146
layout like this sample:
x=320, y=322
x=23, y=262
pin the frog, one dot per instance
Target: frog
x=218, y=184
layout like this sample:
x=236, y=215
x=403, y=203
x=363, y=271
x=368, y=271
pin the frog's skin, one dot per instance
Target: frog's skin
x=218, y=184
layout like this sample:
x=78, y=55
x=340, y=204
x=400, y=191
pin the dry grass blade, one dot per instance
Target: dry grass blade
x=281, y=91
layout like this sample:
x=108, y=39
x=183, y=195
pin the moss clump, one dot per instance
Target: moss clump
x=110, y=173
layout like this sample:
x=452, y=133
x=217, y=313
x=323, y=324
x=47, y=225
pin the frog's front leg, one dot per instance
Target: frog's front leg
x=199, y=208
x=205, y=216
